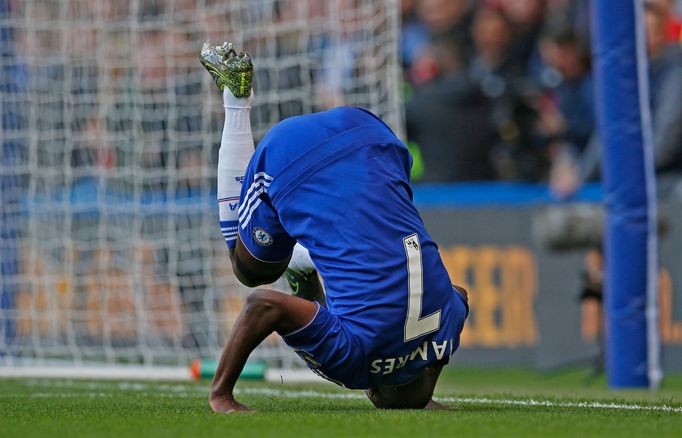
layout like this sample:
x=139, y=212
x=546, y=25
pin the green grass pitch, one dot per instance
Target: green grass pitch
x=490, y=402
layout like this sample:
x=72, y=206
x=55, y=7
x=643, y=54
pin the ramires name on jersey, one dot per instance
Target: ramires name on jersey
x=424, y=352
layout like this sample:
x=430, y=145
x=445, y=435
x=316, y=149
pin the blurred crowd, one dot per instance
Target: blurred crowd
x=494, y=89
x=112, y=90
x=503, y=89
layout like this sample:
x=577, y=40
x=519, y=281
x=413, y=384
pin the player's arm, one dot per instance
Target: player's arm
x=251, y=271
x=265, y=311
x=262, y=247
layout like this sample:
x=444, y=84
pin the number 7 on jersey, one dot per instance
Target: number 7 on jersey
x=415, y=325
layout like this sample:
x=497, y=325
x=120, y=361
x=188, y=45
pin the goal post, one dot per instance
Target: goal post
x=110, y=247
x=630, y=242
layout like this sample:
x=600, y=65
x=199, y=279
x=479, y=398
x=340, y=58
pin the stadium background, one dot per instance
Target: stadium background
x=109, y=245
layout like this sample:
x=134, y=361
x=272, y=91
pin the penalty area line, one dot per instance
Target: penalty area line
x=472, y=400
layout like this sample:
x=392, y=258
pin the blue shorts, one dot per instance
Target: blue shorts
x=330, y=348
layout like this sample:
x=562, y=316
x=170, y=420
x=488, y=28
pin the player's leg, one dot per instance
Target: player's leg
x=232, y=73
x=266, y=311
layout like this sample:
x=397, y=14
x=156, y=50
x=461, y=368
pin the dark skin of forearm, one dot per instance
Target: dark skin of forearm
x=252, y=272
x=251, y=328
x=265, y=311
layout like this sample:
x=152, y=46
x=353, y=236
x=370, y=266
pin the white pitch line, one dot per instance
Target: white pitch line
x=552, y=404
x=306, y=393
x=471, y=400
x=180, y=390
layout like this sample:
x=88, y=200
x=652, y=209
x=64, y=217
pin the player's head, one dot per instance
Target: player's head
x=413, y=395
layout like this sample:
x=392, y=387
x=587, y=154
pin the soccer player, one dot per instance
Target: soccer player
x=333, y=188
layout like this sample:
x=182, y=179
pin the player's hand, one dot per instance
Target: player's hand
x=226, y=404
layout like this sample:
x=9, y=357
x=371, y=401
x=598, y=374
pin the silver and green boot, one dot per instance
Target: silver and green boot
x=228, y=68
x=306, y=286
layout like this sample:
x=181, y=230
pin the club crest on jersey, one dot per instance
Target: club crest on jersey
x=262, y=237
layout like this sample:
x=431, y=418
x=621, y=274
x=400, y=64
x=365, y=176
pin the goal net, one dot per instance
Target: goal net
x=110, y=249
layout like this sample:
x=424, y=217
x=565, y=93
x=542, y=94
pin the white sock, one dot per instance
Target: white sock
x=236, y=148
x=300, y=260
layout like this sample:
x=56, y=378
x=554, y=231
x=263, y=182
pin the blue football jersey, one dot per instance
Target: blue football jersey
x=338, y=183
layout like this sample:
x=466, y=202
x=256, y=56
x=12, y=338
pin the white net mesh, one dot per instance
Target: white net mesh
x=109, y=243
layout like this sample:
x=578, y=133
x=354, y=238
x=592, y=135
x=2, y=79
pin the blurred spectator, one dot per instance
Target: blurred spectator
x=567, y=113
x=153, y=83
x=444, y=22
x=574, y=14
x=673, y=22
x=445, y=16
x=290, y=80
x=450, y=121
x=527, y=18
x=665, y=77
x=414, y=34
x=493, y=39
x=91, y=151
x=503, y=80
x=340, y=50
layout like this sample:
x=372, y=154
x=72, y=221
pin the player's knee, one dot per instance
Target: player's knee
x=262, y=301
